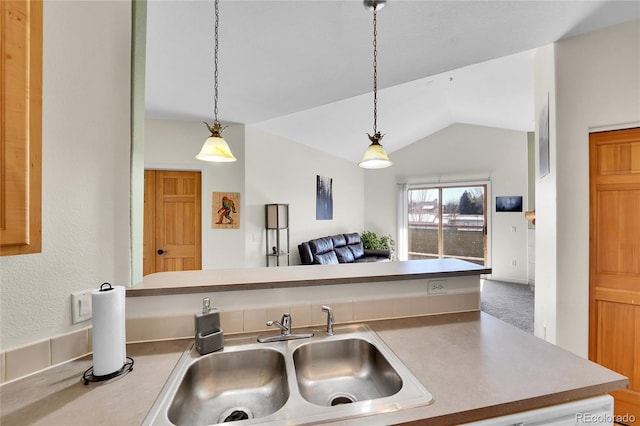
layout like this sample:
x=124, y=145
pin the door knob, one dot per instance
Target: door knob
x=160, y=251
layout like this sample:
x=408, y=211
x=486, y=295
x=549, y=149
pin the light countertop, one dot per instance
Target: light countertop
x=213, y=280
x=475, y=365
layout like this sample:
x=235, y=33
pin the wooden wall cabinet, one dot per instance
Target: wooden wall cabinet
x=21, y=127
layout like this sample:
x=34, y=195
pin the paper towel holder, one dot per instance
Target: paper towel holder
x=88, y=375
x=106, y=289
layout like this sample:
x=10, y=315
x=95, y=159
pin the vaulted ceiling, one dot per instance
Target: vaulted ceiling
x=303, y=69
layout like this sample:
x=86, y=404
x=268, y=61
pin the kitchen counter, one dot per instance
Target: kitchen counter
x=215, y=280
x=475, y=365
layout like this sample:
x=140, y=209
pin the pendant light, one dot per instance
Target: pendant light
x=375, y=157
x=215, y=148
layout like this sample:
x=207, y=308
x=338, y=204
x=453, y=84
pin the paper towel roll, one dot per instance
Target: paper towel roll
x=109, y=350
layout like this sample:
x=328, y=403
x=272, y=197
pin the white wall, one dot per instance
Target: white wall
x=461, y=152
x=85, y=172
x=545, y=199
x=281, y=171
x=598, y=85
x=173, y=144
x=270, y=169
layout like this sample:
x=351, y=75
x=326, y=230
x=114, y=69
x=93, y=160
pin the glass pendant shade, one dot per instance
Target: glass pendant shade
x=375, y=157
x=215, y=149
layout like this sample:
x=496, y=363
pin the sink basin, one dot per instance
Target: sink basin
x=344, y=371
x=231, y=386
x=307, y=381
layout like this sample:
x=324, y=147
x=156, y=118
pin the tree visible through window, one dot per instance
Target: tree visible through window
x=447, y=221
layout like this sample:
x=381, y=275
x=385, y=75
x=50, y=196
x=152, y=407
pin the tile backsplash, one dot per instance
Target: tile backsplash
x=21, y=361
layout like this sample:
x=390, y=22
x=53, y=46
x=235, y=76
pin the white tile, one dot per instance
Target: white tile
x=301, y=315
x=255, y=319
x=167, y=327
x=411, y=306
x=232, y=322
x=372, y=309
x=134, y=329
x=27, y=359
x=69, y=346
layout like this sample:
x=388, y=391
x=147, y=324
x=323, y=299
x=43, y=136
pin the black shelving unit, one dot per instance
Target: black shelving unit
x=277, y=238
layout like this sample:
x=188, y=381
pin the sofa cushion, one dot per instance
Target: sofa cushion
x=339, y=240
x=378, y=253
x=367, y=259
x=328, y=258
x=321, y=245
x=344, y=254
x=357, y=250
x=353, y=238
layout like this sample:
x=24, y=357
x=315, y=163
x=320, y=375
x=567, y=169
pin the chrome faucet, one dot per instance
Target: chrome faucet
x=284, y=325
x=330, y=320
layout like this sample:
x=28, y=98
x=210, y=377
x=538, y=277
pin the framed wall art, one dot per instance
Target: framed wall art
x=226, y=210
x=324, y=198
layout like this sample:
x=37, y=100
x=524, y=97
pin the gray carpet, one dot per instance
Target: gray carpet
x=512, y=303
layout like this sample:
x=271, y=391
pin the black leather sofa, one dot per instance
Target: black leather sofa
x=341, y=248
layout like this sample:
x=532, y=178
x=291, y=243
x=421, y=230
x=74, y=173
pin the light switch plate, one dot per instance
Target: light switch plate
x=80, y=306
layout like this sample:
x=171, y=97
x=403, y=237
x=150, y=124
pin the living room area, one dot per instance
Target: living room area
x=276, y=168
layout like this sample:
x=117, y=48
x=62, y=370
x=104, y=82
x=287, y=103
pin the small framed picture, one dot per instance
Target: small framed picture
x=226, y=210
x=509, y=204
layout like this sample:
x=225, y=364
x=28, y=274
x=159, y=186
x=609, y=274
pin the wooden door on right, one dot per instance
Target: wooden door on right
x=614, y=260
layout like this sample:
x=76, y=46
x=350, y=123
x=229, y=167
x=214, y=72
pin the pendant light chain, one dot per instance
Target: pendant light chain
x=215, y=66
x=375, y=157
x=375, y=70
x=215, y=148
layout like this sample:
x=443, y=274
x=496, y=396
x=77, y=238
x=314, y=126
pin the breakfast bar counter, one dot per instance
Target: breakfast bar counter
x=475, y=365
x=216, y=280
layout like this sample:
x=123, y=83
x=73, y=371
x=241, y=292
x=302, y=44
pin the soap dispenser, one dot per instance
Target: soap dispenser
x=209, y=336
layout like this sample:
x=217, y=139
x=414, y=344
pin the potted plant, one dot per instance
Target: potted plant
x=373, y=241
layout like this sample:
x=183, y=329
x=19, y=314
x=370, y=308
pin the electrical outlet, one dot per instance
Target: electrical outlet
x=437, y=287
x=514, y=263
x=80, y=306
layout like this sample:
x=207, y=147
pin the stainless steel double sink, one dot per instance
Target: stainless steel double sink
x=349, y=374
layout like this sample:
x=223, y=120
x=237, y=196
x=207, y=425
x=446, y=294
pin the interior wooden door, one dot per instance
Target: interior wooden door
x=172, y=221
x=614, y=301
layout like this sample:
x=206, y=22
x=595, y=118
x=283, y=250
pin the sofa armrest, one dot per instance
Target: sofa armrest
x=378, y=253
x=305, y=254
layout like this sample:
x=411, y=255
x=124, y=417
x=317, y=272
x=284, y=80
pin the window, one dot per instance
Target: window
x=447, y=222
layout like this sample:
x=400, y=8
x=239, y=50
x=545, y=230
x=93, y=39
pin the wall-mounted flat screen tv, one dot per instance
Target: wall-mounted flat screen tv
x=509, y=204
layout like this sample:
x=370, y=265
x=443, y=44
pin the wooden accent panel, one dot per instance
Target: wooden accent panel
x=614, y=264
x=21, y=128
x=619, y=158
x=149, y=223
x=618, y=231
x=614, y=341
x=618, y=296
